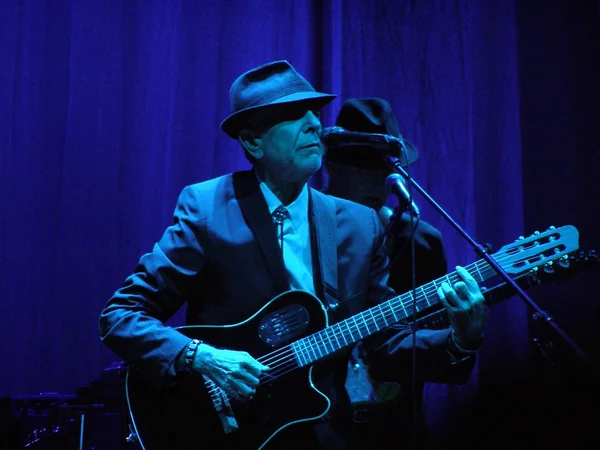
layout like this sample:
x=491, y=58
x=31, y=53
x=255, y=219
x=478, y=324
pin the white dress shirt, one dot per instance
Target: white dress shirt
x=297, y=253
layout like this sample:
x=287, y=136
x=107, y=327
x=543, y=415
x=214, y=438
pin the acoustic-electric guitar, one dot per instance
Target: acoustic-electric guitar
x=291, y=333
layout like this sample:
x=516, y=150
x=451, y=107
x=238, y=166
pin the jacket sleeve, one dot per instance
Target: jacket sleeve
x=132, y=323
x=391, y=353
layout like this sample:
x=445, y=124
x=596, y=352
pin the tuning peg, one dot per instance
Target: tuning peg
x=535, y=233
x=564, y=262
x=552, y=227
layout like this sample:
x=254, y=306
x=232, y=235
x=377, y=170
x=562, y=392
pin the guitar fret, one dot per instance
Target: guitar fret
x=425, y=295
x=324, y=340
x=357, y=327
x=309, y=357
x=307, y=349
x=316, y=345
x=362, y=316
x=392, y=309
x=336, y=338
x=331, y=342
x=403, y=308
x=374, y=320
x=339, y=328
x=347, y=322
x=479, y=272
x=310, y=347
x=385, y=322
x=299, y=353
x=328, y=339
x=413, y=303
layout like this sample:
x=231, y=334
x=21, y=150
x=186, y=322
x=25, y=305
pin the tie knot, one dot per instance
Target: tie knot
x=280, y=214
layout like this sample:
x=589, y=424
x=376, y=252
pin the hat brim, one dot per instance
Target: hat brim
x=233, y=124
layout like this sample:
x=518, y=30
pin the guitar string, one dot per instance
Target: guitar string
x=287, y=354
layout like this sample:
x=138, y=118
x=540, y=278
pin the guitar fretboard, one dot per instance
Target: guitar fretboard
x=346, y=332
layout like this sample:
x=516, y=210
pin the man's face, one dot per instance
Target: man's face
x=290, y=146
x=359, y=184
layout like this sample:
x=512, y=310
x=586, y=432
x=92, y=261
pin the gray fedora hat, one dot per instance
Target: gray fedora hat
x=274, y=84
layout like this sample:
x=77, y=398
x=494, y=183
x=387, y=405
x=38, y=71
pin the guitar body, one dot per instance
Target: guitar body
x=184, y=417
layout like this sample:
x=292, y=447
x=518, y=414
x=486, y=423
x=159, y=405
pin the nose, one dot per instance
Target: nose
x=313, y=123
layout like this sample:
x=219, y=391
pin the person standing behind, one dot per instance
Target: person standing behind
x=358, y=173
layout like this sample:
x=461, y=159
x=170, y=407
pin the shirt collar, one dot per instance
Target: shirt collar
x=298, y=209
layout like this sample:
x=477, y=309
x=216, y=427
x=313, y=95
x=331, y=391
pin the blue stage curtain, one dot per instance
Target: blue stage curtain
x=109, y=108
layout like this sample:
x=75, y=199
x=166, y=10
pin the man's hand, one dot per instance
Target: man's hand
x=466, y=309
x=237, y=373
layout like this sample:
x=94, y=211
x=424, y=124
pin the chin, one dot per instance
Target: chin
x=310, y=164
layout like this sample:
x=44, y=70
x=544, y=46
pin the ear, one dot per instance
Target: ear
x=252, y=143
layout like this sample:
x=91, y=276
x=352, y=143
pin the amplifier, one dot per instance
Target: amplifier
x=52, y=421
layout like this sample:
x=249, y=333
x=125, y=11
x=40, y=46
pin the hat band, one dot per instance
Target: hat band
x=272, y=95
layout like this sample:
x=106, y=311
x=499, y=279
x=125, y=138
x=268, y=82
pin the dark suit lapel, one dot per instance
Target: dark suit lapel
x=256, y=212
x=323, y=227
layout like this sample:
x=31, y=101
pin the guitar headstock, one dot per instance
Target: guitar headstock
x=538, y=250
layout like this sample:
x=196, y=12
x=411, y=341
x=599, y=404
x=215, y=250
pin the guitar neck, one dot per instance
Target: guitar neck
x=346, y=332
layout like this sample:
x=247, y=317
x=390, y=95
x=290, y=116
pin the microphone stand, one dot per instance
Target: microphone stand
x=539, y=315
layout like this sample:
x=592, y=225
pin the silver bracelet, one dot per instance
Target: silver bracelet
x=190, y=352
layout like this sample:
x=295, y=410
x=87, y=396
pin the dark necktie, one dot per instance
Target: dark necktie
x=279, y=216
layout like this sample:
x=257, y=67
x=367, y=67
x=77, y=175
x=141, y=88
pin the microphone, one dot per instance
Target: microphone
x=395, y=184
x=337, y=136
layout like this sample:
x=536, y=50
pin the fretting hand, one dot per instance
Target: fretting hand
x=466, y=309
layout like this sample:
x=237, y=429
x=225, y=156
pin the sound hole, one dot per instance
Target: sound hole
x=283, y=325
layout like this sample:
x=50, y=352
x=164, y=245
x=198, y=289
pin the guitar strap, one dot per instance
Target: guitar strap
x=323, y=226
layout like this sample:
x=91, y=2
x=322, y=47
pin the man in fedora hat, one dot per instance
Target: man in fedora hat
x=358, y=173
x=259, y=258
